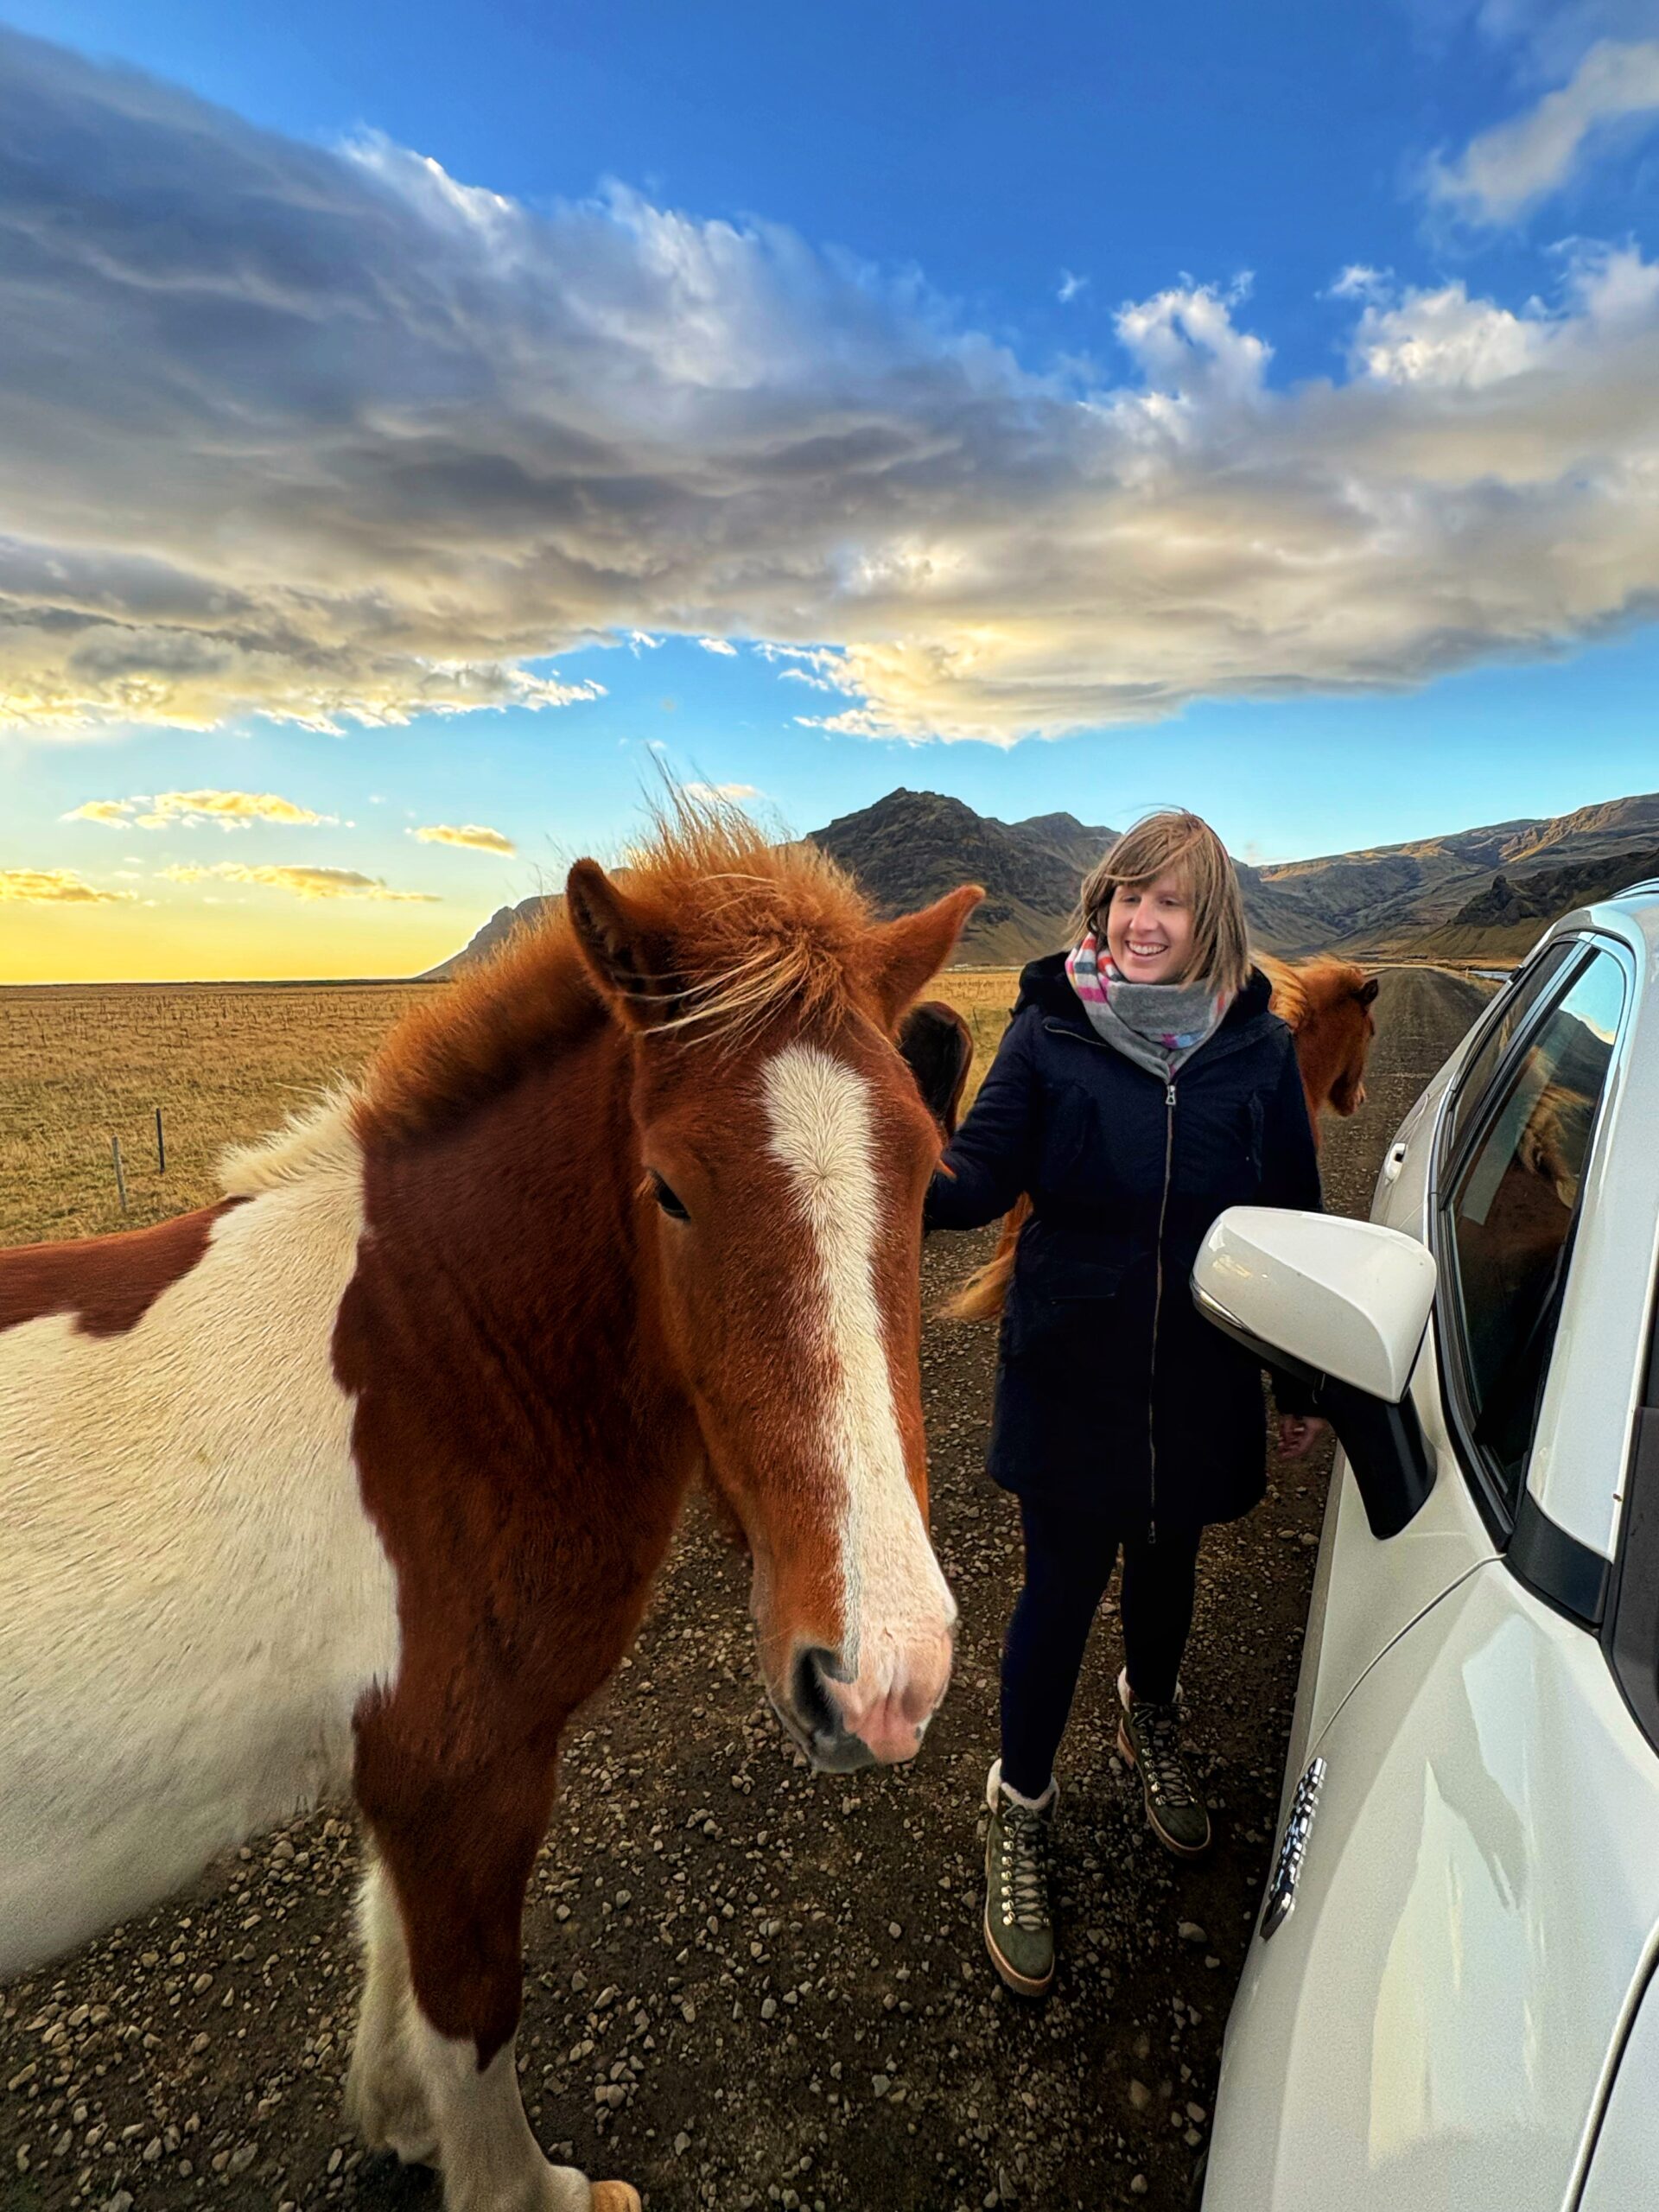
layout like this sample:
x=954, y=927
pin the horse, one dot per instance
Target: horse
x=1328, y=1005
x=939, y=1047
x=358, y=1478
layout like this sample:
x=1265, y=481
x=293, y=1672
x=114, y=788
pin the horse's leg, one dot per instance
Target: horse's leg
x=435, y=2067
x=386, y=2099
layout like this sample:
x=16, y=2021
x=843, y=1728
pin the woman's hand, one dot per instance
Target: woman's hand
x=1299, y=1433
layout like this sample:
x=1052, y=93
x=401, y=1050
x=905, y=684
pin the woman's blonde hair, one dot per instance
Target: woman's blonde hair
x=1187, y=845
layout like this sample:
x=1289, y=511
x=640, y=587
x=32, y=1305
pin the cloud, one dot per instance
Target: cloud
x=188, y=810
x=723, y=793
x=302, y=882
x=1508, y=169
x=717, y=645
x=1358, y=281
x=1070, y=286
x=56, y=887
x=115, y=812
x=471, y=834
x=330, y=435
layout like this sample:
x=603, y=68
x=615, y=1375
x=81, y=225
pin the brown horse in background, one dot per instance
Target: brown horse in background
x=359, y=1478
x=1327, y=1005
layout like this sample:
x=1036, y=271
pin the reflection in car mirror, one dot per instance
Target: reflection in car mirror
x=1342, y=1306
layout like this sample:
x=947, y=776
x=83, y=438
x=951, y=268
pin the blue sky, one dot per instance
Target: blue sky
x=1100, y=407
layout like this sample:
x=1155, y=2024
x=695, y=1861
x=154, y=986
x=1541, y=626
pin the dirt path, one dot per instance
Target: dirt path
x=747, y=1985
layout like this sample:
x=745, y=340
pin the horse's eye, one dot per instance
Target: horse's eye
x=666, y=1199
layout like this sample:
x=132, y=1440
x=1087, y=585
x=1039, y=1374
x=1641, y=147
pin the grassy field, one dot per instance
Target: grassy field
x=80, y=1064
x=984, y=997
x=83, y=1063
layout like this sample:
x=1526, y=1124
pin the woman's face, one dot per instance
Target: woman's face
x=1149, y=930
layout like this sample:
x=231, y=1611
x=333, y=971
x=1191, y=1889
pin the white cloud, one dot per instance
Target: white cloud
x=724, y=792
x=1071, y=285
x=1507, y=170
x=1360, y=282
x=717, y=645
x=458, y=437
x=471, y=835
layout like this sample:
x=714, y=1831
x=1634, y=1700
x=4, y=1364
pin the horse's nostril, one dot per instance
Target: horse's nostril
x=813, y=1705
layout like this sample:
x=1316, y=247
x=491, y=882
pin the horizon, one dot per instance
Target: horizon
x=420, y=434
x=617, y=860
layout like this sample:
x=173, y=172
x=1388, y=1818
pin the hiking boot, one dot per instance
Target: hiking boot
x=1019, y=1929
x=1149, y=1737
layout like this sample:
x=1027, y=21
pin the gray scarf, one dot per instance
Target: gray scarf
x=1158, y=1026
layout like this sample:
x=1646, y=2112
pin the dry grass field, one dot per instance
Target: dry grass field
x=82, y=1062
x=984, y=997
x=79, y=1064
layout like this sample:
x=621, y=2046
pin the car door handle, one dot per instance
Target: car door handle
x=1395, y=1162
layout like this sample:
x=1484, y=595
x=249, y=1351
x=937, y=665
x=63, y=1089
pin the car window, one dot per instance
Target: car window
x=1514, y=1011
x=1510, y=1212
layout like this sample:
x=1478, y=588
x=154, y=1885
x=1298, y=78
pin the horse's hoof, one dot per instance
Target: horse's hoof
x=615, y=2197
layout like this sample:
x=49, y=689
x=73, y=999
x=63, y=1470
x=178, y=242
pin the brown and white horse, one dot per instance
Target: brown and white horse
x=359, y=1478
x=1328, y=1004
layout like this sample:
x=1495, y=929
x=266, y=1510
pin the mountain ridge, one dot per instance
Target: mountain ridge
x=1481, y=893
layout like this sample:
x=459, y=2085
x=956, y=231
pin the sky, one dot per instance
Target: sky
x=423, y=430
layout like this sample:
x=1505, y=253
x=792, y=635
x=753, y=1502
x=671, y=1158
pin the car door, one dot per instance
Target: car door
x=1476, y=1888
x=1366, y=1591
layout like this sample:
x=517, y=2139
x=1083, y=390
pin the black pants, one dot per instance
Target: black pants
x=1069, y=1562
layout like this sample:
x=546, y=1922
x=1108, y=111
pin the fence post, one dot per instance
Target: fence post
x=120, y=1180
x=161, y=1145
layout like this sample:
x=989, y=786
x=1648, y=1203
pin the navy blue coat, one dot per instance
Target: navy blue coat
x=1112, y=1393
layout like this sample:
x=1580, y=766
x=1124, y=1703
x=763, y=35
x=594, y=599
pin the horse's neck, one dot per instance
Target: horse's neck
x=516, y=1227
x=1319, y=1056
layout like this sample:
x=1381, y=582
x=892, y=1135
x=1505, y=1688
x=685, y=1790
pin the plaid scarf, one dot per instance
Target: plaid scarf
x=1158, y=1026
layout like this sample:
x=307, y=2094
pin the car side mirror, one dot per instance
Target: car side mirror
x=1342, y=1306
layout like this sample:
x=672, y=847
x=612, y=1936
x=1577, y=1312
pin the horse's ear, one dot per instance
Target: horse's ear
x=900, y=957
x=631, y=960
x=1366, y=990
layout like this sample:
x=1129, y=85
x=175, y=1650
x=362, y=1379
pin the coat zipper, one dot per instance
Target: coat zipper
x=1157, y=1309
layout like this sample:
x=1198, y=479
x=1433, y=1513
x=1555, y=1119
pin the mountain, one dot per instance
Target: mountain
x=911, y=847
x=1409, y=898
x=1472, y=894
x=489, y=940
x=1500, y=921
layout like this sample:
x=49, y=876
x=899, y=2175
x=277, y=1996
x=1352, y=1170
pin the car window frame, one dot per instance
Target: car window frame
x=1499, y=1515
x=1629, y=1628
x=1450, y=1140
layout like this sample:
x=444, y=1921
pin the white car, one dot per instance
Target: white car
x=1449, y=2003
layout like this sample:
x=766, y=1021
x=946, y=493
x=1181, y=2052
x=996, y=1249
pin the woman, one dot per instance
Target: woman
x=1140, y=1087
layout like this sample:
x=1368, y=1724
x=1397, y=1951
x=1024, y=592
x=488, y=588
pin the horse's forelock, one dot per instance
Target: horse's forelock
x=758, y=933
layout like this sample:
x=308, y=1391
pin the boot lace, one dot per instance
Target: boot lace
x=1025, y=1867
x=1157, y=1727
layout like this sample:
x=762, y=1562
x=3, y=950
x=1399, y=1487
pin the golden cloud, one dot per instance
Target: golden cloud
x=473, y=835
x=302, y=882
x=184, y=809
x=55, y=886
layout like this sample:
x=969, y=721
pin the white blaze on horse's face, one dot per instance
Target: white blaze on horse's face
x=864, y=1683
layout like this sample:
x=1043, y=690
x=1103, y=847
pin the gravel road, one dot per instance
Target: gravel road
x=747, y=1984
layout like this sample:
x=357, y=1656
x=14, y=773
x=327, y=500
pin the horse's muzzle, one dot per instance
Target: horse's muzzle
x=842, y=1723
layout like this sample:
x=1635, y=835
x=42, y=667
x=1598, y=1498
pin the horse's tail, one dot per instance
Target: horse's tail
x=981, y=1297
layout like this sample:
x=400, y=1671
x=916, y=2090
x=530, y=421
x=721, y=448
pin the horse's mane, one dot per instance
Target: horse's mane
x=1306, y=990
x=754, y=927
